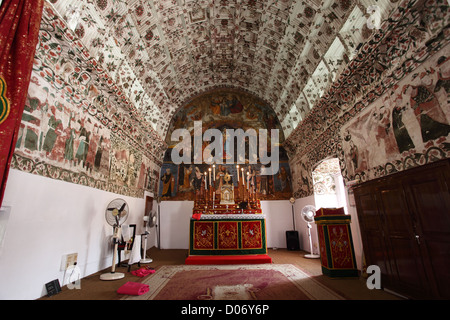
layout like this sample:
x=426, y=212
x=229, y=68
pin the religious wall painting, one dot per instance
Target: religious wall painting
x=168, y=182
x=126, y=165
x=225, y=109
x=302, y=182
x=120, y=156
x=64, y=141
x=77, y=124
x=283, y=181
x=54, y=131
x=146, y=175
x=408, y=125
x=184, y=181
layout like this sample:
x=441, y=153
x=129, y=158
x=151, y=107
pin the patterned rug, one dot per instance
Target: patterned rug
x=234, y=282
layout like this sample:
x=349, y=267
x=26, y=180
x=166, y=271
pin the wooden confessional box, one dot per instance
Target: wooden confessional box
x=405, y=227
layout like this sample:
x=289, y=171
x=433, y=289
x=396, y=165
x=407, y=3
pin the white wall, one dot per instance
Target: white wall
x=51, y=218
x=278, y=221
x=174, y=224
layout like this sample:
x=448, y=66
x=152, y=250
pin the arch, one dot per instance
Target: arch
x=328, y=184
x=223, y=109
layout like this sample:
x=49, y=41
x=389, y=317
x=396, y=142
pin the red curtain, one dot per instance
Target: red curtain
x=19, y=31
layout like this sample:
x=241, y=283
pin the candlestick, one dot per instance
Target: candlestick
x=214, y=172
x=206, y=183
x=209, y=176
x=237, y=168
x=248, y=180
x=243, y=180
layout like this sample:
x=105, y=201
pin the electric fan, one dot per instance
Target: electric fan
x=308, y=213
x=149, y=222
x=116, y=213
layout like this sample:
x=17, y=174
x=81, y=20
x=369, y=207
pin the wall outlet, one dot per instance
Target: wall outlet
x=68, y=260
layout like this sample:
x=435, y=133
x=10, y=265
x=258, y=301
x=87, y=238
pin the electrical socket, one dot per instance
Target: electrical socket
x=68, y=260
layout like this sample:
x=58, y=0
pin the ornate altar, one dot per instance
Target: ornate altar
x=335, y=241
x=227, y=223
x=228, y=235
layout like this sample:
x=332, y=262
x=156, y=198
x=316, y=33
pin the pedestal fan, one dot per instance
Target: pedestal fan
x=149, y=222
x=158, y=227
x=116, y=213
x=308, y=213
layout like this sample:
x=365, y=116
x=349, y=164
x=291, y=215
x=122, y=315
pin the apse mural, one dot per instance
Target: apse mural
x=179, y=182
x=224, y=109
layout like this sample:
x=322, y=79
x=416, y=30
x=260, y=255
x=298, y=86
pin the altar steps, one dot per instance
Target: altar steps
x=243, y=259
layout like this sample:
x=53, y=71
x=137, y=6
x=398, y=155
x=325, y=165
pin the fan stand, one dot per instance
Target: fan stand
x=113, y=275
x=310, y=255
x=145, y=260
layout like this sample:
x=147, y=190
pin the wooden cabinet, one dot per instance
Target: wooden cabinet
x=337, y=255
x=405, y=227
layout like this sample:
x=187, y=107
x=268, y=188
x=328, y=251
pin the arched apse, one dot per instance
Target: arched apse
x=224, y=109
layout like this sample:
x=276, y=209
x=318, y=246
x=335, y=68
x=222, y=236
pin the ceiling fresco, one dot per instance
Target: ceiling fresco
x=161, y=54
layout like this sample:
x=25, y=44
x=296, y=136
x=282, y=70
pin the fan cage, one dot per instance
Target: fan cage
x=308, y=213
x=116, y=204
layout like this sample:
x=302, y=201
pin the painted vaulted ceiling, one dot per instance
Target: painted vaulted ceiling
x=163, y=53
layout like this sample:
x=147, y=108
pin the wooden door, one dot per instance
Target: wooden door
x=408, y=272
x=405, y=227
x=429, y=198
x=372, y=232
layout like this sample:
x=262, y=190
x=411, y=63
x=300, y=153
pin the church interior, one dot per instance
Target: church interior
x=99, y=97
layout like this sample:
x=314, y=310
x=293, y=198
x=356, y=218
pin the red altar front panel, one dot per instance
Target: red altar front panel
x=203, y=235
x=227, y=237
x=252, y=236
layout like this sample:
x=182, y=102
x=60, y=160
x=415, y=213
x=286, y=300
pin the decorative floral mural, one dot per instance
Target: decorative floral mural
x=110, y=76
x=162, y=53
